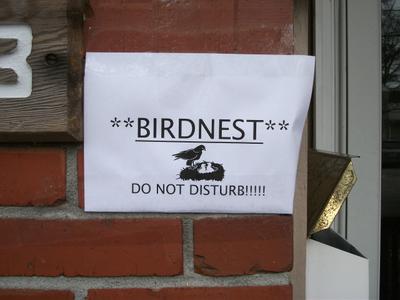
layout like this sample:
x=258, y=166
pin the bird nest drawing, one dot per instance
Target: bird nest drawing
x=204, y=170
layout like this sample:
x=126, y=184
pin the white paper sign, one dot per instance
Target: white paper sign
x=194, y=132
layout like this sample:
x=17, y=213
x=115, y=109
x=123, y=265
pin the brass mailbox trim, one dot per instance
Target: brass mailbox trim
x=336, y=200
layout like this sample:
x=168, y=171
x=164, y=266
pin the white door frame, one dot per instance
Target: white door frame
x=330, y=106
x=348, y=112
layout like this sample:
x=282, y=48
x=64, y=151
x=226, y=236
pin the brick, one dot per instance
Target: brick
x=81, y=186
x=32, y=176
x=246, y=245
x=194, y=26
x=265, y=26
x=120, y=26
x=21, y=294
x=232, y=293
x=223, y=26
x=118, y=247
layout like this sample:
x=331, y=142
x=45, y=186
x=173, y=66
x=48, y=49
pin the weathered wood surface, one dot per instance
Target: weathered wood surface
x=7, y=45
x=8, y=76
x=53, y=112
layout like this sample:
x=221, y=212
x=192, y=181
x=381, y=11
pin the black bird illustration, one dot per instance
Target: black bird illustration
x=190, y=155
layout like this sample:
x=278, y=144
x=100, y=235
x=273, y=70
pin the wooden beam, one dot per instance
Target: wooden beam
x=302, y=38
x=53, y=111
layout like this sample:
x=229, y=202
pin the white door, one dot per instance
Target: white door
x=348, y=113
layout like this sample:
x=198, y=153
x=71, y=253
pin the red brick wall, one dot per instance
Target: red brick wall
x=44, y=232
